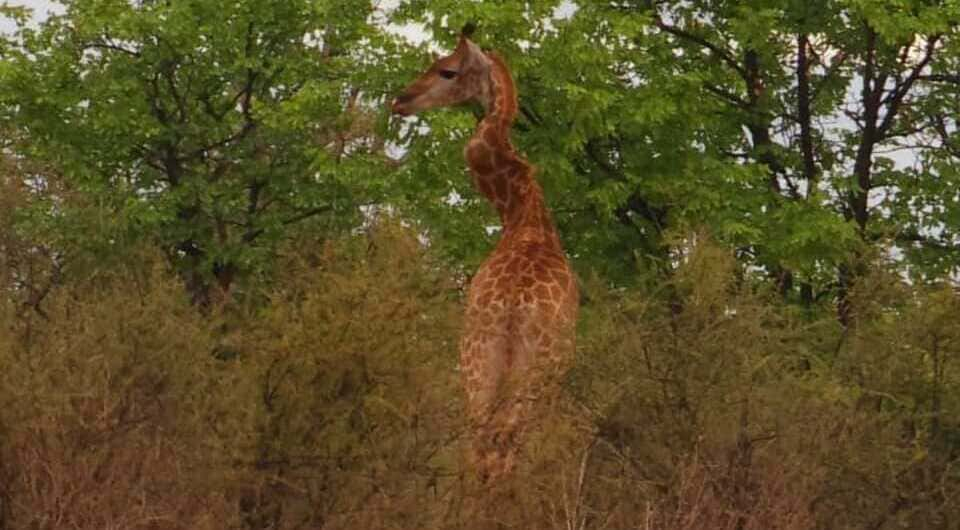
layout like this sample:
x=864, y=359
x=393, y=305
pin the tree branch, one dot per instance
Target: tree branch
x=253, y=234
x=912, y=236
x=941, y=78
x=727, y=96
x=831, y=71
x=724, y=55
x=803, y=111
x=110, y=46
x=895, y=98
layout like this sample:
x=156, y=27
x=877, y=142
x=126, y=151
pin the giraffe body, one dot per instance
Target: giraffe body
x=518, y=337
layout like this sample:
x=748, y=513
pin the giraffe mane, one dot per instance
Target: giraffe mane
x=509, y=86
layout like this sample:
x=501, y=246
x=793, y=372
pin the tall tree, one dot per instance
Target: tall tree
x=208, y=127
x=803, y=133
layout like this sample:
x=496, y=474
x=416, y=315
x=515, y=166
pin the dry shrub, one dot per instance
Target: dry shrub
x=331, y=400
x=334, y=404
x=895, y=456
x=354, y=415
x=686, y=391
x=703, y=499
x=97, y=408
x=716, y=408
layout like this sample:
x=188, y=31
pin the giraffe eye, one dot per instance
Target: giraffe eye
x=448, y=74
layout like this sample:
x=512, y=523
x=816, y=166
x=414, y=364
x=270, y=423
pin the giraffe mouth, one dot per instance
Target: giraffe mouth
x=403, y=104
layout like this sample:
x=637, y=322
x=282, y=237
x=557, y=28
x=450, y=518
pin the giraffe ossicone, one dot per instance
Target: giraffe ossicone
x=519, y=330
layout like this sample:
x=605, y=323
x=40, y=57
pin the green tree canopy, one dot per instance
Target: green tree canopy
x=802, y=133
x=208, y=127
x=806, y=135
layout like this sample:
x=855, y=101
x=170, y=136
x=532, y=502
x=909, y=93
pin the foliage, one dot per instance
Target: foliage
x=806, y=135
x=231, y=286
x=802, y=133
x=206, y=127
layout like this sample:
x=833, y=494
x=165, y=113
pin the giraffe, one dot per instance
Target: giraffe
x=522, y=303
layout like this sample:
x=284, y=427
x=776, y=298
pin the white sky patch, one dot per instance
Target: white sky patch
x=417, y=34
x=565, y=10
x=454, y=198
x=414, y=32
x=41, y=10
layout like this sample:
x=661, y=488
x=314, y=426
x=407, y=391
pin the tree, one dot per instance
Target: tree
x=786, y=127
x=210, y=128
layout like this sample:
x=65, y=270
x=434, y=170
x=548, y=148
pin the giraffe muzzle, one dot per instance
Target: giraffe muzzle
x=400, y=104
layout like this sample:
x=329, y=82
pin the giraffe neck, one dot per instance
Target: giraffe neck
x=504, y=177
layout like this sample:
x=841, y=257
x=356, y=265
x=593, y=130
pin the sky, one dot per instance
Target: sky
x=412, y=32
x=40, y=10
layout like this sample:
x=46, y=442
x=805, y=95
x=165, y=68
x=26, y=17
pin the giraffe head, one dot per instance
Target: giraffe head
x=460, y=77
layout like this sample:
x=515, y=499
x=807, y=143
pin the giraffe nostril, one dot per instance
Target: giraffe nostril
x=399, y=104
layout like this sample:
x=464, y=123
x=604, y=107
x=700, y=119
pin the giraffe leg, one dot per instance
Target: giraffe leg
x=498, y=400
x=506, y=376
x=519, y=405
x=483, y=364
x=542, y=354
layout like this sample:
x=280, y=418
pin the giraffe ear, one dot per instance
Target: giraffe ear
x=471, y=54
